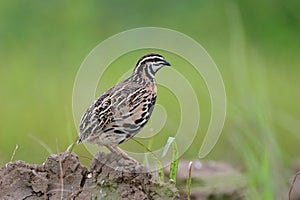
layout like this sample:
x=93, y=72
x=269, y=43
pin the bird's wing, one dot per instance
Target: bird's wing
x=97, y=117
x=123, y=109
x=135, y=110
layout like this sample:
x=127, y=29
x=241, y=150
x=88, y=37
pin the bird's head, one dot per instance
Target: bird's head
x=150, y=64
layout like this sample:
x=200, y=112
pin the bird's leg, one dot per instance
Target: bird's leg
x=119, y=151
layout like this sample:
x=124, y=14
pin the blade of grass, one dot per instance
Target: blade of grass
x=48, y=149
x=71, y=147
x=161, y=174
x=13, y=155
x=167, y=146
x=146, y=161
x=174, y=164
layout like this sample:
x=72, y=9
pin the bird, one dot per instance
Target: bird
x=122, y=111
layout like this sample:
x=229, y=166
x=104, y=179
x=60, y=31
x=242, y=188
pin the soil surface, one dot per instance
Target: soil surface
x=111, y=176
x=62, y=176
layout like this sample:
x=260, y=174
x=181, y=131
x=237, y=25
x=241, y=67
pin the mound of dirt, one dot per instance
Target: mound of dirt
x=60, y=176
x=63, y=177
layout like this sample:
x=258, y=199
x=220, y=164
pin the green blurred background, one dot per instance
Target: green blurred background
x=254, y=43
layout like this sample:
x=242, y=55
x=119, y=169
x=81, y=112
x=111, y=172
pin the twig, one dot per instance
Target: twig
x=189, y=180
x=61, y=177
x=293, y=183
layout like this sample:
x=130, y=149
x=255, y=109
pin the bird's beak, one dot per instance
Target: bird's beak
x=167, y=63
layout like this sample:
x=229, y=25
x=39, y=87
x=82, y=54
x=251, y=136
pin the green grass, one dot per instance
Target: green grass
x=174, y=163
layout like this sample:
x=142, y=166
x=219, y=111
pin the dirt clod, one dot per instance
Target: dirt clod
x=63, y=177
x=125, y=179
x=60, y=176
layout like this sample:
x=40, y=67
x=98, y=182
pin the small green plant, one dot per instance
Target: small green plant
x=174, y=164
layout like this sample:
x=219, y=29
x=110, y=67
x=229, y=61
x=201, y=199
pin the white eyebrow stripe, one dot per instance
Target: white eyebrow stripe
x=149, y=58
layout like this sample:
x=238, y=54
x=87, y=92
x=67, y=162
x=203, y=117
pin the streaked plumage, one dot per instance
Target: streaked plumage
x=119, y=113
